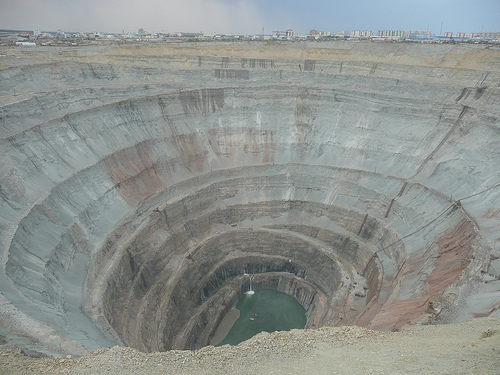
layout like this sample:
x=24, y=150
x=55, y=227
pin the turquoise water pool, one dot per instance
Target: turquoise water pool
x=265, y=310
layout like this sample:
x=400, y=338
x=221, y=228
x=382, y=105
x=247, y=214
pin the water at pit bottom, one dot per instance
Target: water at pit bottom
x=265, y=310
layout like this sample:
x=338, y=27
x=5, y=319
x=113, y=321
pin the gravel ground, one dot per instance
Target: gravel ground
x=468, y=348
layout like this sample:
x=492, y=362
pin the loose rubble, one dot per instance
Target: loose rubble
x=421, y=349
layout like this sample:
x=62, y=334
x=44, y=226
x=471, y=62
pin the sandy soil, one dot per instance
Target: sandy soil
x=468, y=348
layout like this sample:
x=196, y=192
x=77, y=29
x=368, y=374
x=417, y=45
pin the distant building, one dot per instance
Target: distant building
x=343, y=34
x=419, y=35
x=448, y=34
x=361, y=34
x=37, y=32
x=461, y=35
x=391, y=34
x=60, y=34
x=495, y=35
x=491, y=35
x=283, y=34
x=25, y=44
x=192, y=35
x=313, y=32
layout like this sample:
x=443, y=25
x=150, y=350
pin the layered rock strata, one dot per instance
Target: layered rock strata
x=142, y=188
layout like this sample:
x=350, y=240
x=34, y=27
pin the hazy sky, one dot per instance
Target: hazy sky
x=249, y=16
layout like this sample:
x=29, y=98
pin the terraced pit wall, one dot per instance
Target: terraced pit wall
x=140, y=186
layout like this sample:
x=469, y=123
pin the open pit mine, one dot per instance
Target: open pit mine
x=142, y=188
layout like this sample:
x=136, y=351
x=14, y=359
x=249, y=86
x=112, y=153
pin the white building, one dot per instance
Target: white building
x=391, y=34
x=361, y=34
x=26, y=44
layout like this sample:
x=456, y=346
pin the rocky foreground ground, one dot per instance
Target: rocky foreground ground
x=469, y=348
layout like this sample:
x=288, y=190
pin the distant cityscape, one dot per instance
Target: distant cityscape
x=38, y=37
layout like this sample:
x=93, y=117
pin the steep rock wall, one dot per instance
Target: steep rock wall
x=117, y=174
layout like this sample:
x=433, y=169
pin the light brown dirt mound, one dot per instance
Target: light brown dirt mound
x=468, y=348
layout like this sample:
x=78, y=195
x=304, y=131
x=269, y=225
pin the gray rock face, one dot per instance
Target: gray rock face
x=138, y=189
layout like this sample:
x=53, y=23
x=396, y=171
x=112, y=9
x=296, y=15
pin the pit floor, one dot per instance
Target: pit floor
x=265, y=311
